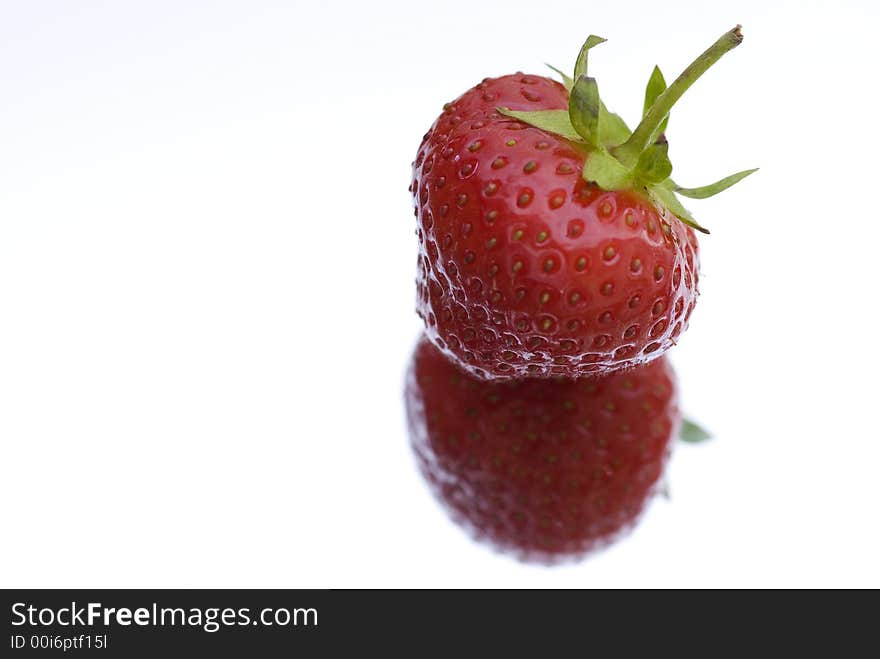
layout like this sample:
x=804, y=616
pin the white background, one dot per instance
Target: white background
x=207, y=260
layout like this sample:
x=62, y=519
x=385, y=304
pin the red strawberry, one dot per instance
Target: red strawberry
x=544, y=468
x=551, y=239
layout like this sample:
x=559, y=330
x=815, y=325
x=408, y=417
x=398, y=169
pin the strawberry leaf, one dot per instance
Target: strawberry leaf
x=654, y=165
x=566, y=80
x=666, y=197
x=656, y=86
x=713, y=188
x=692, y=433
x=553, y=121
x=580, y=65
x=612, y=129
x=583, y=109
x=606, y=171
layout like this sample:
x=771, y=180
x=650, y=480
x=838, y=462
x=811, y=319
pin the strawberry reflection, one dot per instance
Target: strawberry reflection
x=547, y=470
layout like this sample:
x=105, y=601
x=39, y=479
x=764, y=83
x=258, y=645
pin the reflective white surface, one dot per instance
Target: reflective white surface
x=206, y=290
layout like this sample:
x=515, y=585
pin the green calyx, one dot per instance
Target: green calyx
x=692, y=433
x=620, y=158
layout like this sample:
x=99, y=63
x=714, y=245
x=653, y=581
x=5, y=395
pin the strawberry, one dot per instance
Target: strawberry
x=547, y=469
x=551, y=238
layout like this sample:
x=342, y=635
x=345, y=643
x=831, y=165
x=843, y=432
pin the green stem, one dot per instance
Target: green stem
x=628, y=152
